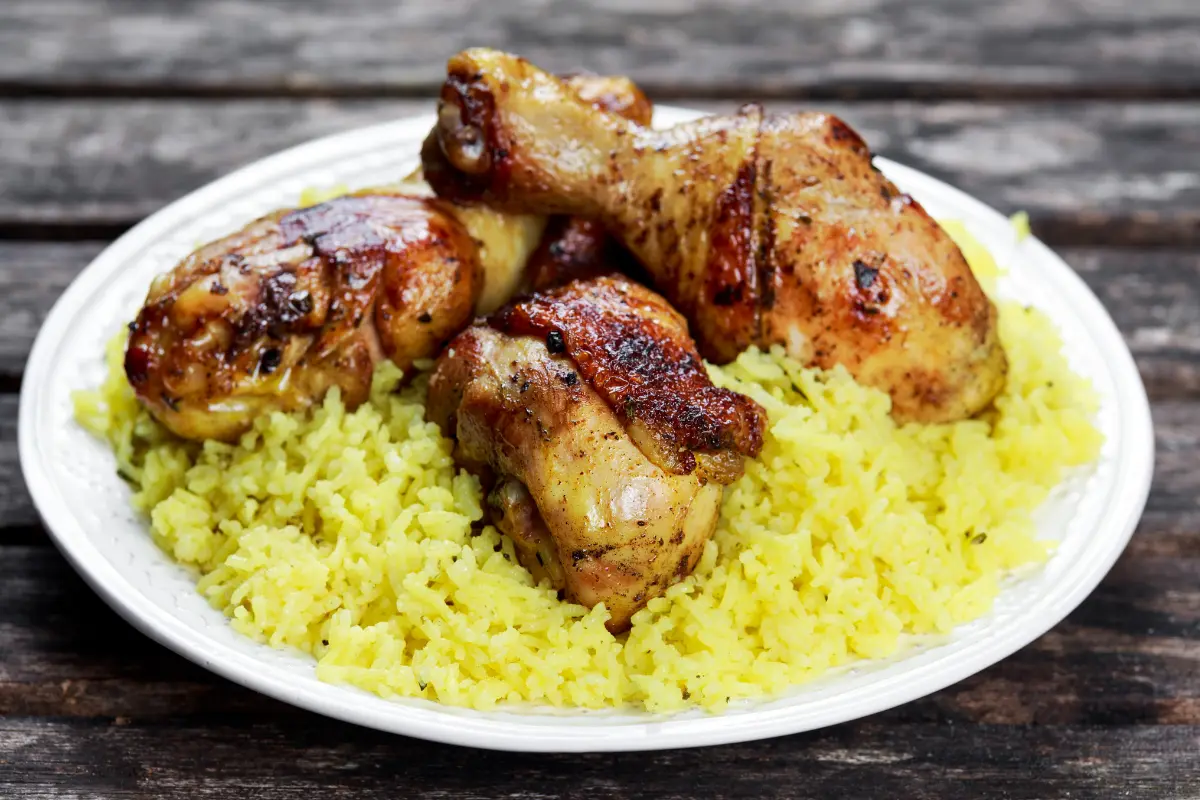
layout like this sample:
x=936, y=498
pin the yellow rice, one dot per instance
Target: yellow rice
x=353, y=537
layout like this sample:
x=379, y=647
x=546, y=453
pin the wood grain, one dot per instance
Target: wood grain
x=869, y=47
x=1109, y=699
x=1088, y=173
x=273, y=759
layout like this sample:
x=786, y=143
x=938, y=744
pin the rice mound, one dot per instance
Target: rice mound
x=352, y=536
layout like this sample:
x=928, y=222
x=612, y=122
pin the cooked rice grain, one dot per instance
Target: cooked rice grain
x=353, y=537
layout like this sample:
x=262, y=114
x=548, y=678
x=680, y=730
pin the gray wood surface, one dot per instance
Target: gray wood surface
x=274, y=759
x=1105, y=700
x=705, y=47
x=1087, y=172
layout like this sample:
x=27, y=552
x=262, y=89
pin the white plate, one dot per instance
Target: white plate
x=85, y=505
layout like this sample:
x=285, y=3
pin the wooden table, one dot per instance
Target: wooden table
x=1084, y=113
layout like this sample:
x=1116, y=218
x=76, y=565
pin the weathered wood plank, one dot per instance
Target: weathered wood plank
x=1087, y=172
x=276, y=759
x=16, y=506
x=32, y=277
x=881, y=47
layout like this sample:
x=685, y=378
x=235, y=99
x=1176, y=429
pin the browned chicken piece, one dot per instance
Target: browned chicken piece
x=762, y=229
x=272, y=317
x=589, y=414
x=571, y=247
x=296, y=303
x=575, y=248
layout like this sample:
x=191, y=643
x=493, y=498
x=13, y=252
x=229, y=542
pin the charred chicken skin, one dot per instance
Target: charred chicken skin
x=588, y=412
x=762, y=229
x=273, y=316
x=296, y=303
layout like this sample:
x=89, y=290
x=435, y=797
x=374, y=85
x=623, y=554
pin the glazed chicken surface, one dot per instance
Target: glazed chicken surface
x=762, y=229
x=273, y=316
x=588, y=413
x=571, y=247
x=504, y=242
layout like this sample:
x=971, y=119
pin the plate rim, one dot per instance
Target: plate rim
x=451, y=725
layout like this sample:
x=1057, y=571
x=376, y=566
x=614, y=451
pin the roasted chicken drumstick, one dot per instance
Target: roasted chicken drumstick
x=762, y=229
x=588, y=412
x=270, y=318
x=572, y=247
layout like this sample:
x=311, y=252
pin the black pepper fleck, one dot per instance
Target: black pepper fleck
x=269, y=361
x=864, y=276
x=555, y=343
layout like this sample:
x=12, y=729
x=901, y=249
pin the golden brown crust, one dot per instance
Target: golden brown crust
x=614, y=94
x=272, y=317
x=867, y=279
x=575, y=248
x=761, y=229
x=584, y=506
x=572, y=248
x=633, y=348
x=726, y=306
x=469, y=156
x=575, y=408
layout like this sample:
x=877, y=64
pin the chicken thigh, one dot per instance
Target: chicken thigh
x=589, y=414
x=762, y=229
x=273, y=316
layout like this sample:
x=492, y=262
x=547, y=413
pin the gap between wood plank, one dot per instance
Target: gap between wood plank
x=865, y=91
x=1088, y=173
x=1097, y=230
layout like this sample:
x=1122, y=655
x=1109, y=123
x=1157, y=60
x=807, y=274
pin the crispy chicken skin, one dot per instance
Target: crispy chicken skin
x=571, y=247
x=589, y=414
x=576, y=248
x=505, y=242
x=762, y=229
x=273, y=316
